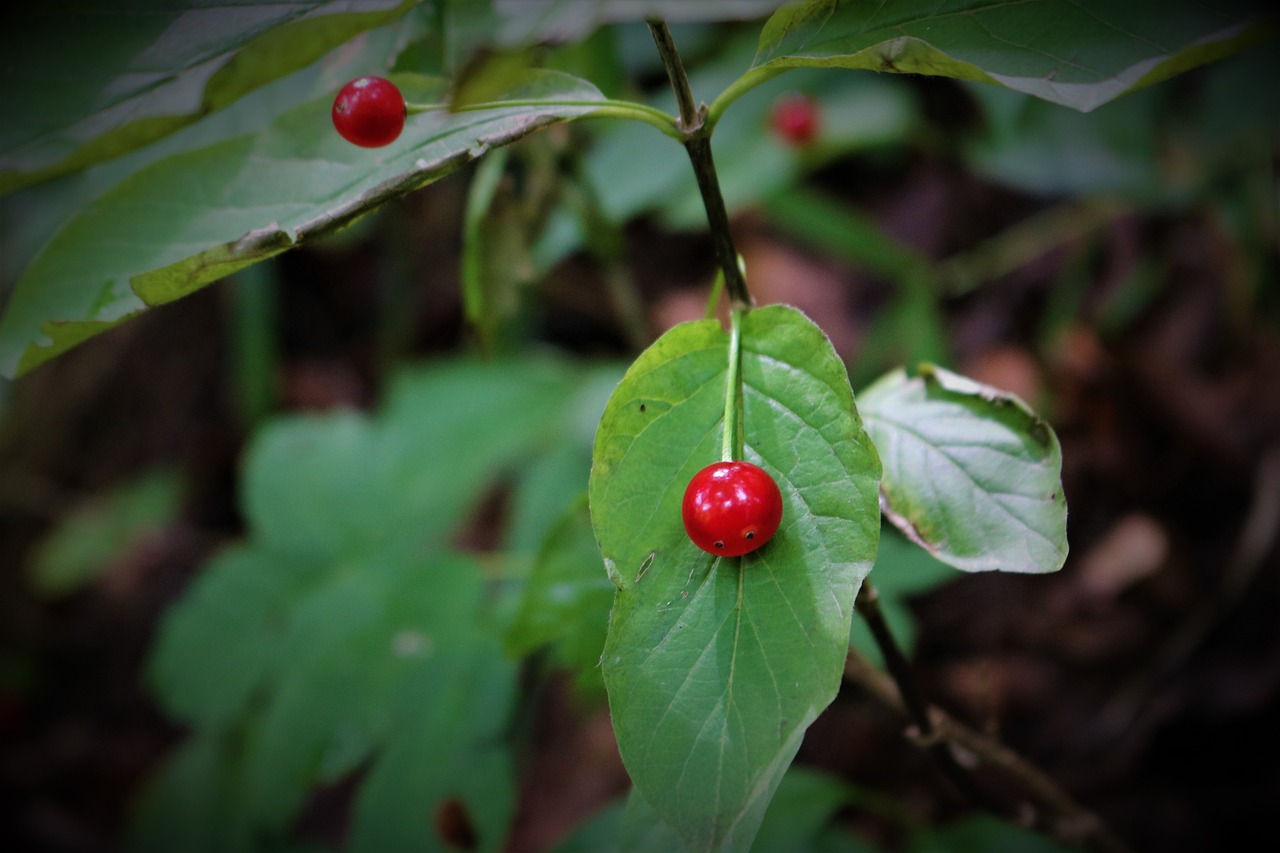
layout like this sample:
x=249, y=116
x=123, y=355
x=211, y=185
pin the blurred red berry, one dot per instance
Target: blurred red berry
x=795, y=119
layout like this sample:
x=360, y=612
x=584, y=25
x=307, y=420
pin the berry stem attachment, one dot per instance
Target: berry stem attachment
x=731, y=446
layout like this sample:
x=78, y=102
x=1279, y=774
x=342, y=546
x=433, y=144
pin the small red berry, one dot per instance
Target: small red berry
x=795, y=119
x=731, y=508
x=369, y=112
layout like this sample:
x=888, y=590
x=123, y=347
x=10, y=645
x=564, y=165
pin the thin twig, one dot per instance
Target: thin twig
x=913, y=703
x=939, y=733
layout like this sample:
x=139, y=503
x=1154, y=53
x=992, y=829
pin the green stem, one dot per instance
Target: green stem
x=604, y=108
x=736, y=90
x=731, y=445
x=717, y=287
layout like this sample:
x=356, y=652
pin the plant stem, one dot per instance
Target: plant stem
x=697, y=143
x=938, y=732
x=704, y=169
x=868, y=606
x=732, y=441
x=689, y=117
x=713, y=298
x=600, y=108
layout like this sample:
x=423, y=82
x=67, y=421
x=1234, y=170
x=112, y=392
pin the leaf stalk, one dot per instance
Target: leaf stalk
x=601, y=108
x=731, y=447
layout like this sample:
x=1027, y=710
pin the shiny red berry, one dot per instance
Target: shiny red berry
x=731, y=508
x=369, y=112
x=795, y=119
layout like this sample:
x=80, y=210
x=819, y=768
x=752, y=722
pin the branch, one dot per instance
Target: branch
x=697, y=143
x=938, y=733
x=689, y=118
x=911, y=702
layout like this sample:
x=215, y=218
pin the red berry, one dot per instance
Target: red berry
x=369, y=112
x=795, y=119
x=731, y=508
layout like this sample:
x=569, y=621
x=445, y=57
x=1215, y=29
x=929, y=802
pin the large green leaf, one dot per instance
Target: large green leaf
x=30, y=217
x=715, y=667
x=190, y=802
x=217, y=646
x=190, y=219
x=383, y=640
x=90, y=86
x=798, y=820
x=970, y=472
x=447, y=755
x=1080, y=53
x=1041, y=147
x=327, y=486
x=380, y=660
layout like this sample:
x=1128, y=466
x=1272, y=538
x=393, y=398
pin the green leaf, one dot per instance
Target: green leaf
x=495, y=255
x=803, y=807
x=447, y=755
x=1043, y=148
x=29, y=218
x=797, y=820
x=324, y=486
x=381, y=640
x=971, y=474
x=1079, y=53
x=312, y=672
x=526, y=21
x=715, y=667
x=566, y=599
x=216, y=647
x=190, y=219
x=89, y=87
x=190, y=802
x=88, y=540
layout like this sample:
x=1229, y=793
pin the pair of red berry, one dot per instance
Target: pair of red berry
x=731, y=508
x=370, y=112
